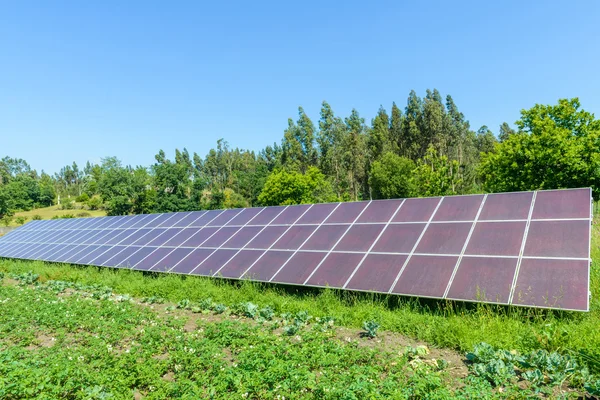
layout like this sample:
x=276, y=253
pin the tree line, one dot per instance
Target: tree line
x=425, y=149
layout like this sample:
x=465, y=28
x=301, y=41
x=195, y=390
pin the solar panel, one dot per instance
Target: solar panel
x=524, y=248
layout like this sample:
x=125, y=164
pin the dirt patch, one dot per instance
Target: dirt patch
x=42, y=340
x=9, y=282
x=169, y=377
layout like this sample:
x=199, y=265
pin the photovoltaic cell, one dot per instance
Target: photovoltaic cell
x=484, y=279
x=558, y=239
x=526, y=248
x=496, y=238
x=377, y=273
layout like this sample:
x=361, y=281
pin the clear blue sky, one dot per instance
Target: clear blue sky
x=83, y=80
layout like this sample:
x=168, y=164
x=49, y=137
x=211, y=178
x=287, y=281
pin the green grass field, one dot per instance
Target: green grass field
x=53, y=211
x=353, y=369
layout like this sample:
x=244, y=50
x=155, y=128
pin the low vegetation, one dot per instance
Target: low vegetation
x=67, y=339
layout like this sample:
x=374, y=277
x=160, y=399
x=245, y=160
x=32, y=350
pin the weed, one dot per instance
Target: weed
x=184, y=304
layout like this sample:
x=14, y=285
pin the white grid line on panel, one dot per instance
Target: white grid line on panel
x=118, y=221
x=39, y=246
x=279, y=237
x=110, y=232
x=214, y=233
x=239, y=250
x=91, y=262
x=338, y=242
x=299, y=247
x=415, y=245
x=147, y=233
x=373, y=244
x=464, y=248
x=522, y=250
x=153, y=265
x=182, y=228
x=199, y=230
x=131, y=245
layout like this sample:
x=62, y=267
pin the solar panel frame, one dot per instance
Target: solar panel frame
x=243, y=243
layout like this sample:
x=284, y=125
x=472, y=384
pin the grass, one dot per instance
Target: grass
x=53, y=211
x=74, y=341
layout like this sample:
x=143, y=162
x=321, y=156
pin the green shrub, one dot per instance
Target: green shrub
x=67, y=205
x=82, y=198
x=36, y=217
x=94, y=203
x=6, y=220
x=83, y=214
x=20, y=220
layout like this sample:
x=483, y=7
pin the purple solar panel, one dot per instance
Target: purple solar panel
x=416, y=210
x=359, y=238
x=221, y=236
x=426, y=276
x=496, y=238
x=483, y=279
x=552, y=204
x=526, y=248
x=187, y=264
x=458, y=208
x=347, y=212
x=265, y=217
x=172, y=258
x=290, y=215
x=226, y=216
x=298, y=268
x=317, y=213
x=151, y=259
x=294, y=237
x=335, y=269
x=214, y=262
x=447, y=238
x=506, y=206
x=399, y=238
x=242, y=237
x=325, y=237
x=377, y=273
x=245, y=217
x=379, y=211
x=552, y=283
x=266, y=237
x=266, y=266
x=239, y=263
x=558, y=239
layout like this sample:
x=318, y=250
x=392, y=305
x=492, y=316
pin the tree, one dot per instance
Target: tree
x=379, y=140
x=291, y=187
x=505, y=132
x=354, y=147
x=435, y=175
x=330, y=139
x=396, y=134
x=556, y=146
x=412, y=126
x=485, y=140
x=390, y=177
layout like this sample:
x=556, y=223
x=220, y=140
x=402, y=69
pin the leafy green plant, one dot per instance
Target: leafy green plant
x=370, y=329
x=219, y=308
x=206, y=304
x=20, y=220
x=83, y=214
x=26, y=278
x=36, y=217
x=184, y=304
x=266, y=313
x=153, y=300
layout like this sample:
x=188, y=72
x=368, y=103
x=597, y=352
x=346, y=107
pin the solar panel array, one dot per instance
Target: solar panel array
x=522, y=248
